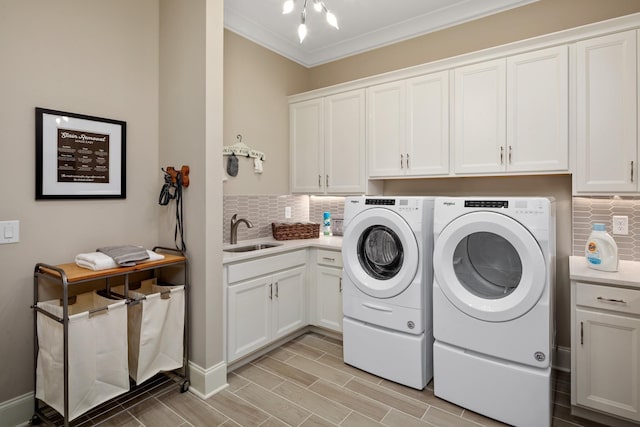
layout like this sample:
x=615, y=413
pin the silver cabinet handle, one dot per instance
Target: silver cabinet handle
x=509, y=154
x=276, y=289
x=401, y=160
x=621, y=301
x=340, y=288
x=319, y=181
x=326, y=258
x=631, y=170
x=502, y=155
x=327, y=181
x=270, y=290
x=407, y=160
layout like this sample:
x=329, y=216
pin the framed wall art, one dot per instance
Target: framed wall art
x=79, y=156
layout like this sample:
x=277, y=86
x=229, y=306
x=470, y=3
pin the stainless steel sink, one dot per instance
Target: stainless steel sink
x=249, y=248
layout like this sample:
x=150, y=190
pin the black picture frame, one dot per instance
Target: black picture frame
x=79, y=156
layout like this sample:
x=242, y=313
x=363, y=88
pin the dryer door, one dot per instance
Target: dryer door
x=489, y=266
x=380, y=252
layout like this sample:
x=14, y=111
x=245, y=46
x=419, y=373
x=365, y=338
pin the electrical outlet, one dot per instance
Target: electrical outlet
x=287, y=212
x=620, y=224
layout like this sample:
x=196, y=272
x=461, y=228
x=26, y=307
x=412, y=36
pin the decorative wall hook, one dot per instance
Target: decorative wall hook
x=242, y=149
x=184, y=172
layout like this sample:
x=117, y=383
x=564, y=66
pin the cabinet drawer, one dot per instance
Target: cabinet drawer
x=331, y=258
x=608, y=298
x=265, y=265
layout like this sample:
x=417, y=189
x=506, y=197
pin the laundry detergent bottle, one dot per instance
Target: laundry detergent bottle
x=601, y=250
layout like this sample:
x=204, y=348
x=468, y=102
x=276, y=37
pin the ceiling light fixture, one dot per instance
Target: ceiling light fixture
x=318, y=6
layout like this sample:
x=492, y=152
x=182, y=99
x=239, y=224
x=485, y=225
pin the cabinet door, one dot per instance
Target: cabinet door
x=386, y=129
x=427, y=138
x=538, y=111
x=288, y=312
x=249, y=317
x=608, y=363
x=307, y=145
x=329, y=298
x=606, y=119
x=345, y=139
x=479, y=118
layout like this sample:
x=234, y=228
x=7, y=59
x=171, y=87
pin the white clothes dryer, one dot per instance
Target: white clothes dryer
x=386, y=250
x=493, y=306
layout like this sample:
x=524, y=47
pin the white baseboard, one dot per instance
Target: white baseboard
x=207, y=382
x=562, y=359
x=17, y=411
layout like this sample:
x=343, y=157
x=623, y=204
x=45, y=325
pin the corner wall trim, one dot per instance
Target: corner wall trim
x=207, y=382
x=17, y=411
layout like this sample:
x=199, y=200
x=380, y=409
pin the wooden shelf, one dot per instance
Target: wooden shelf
x=76, y=274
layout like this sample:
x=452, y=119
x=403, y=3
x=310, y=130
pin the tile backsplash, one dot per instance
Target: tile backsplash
x=589, y=210
x=265, y=209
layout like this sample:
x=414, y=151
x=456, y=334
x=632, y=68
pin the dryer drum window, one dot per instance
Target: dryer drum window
x=380, y=252
x=487, y=265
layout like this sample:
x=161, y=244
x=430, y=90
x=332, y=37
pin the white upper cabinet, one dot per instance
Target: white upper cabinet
x=538, y=111
x=479, y=132
x=511, y=115
x=408, y=127
x=307, y=146
x=328, y=144
x=607, y=114
x=345, y=139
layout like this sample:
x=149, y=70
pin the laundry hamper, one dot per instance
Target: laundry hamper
x=155, y=329
x=97, y=353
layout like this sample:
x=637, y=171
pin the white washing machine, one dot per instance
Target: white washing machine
x=493, y=306
x=386, y=250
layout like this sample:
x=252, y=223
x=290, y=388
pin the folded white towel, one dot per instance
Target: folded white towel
x=99, y=261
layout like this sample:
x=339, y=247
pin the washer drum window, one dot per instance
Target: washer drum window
x=380, y=252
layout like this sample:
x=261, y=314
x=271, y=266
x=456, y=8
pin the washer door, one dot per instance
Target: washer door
x=380, y=253
x=489, y=266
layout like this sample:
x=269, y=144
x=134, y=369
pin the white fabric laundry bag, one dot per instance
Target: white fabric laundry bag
x=97, y=353
x=155, y=329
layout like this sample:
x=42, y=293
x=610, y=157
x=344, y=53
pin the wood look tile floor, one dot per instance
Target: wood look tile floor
x=302, y=383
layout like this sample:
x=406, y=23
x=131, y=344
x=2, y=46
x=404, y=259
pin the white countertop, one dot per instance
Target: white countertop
x=628, y=273
x=329, y=242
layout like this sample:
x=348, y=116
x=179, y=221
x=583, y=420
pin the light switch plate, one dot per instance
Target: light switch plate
x=9, y=232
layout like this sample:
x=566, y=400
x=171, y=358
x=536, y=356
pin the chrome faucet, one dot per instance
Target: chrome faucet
x=233, y=238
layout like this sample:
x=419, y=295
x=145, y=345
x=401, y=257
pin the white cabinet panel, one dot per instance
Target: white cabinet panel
x=345, y=138
x=386, y=129
x=427, y=138
x=248, y=317
x=288, y=302
x=608, y=363
x=479, y=114
x=307, y=146
x=607, y=114
x=538, y=111
x=328, y=298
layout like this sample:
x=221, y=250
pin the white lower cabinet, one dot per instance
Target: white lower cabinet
x=606, y=345
x=263, y=309
x=328, y=294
